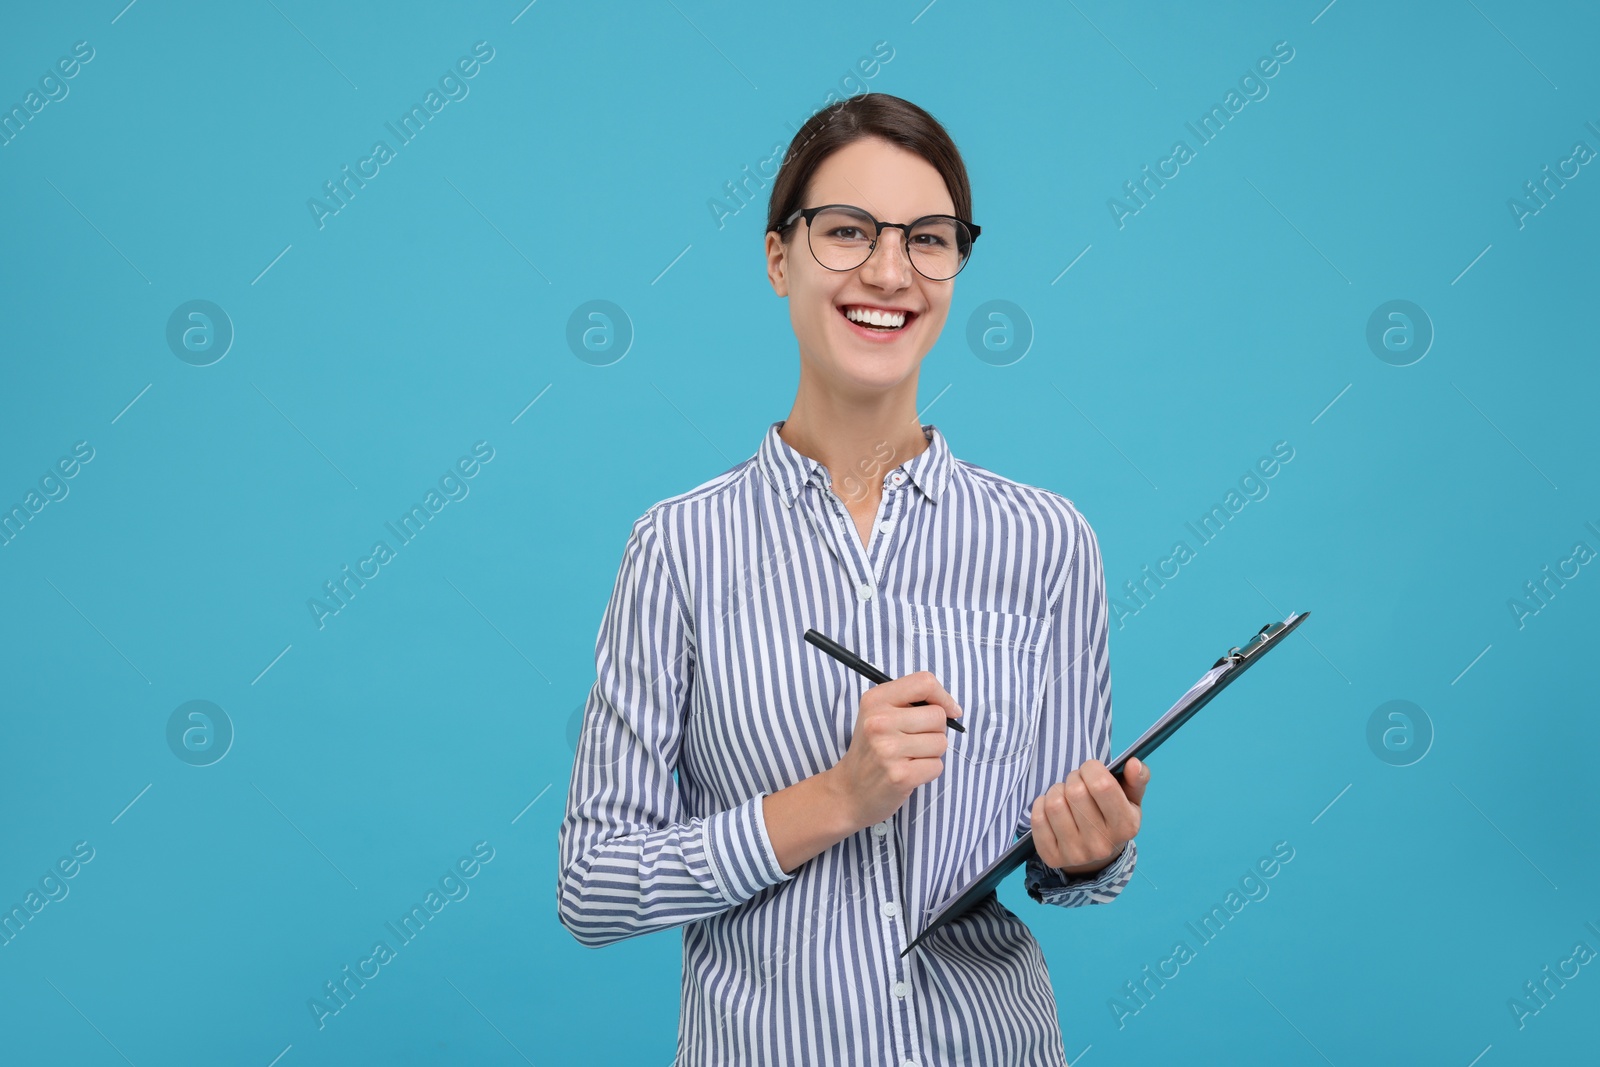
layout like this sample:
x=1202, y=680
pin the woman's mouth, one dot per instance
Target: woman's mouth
x=875, y=323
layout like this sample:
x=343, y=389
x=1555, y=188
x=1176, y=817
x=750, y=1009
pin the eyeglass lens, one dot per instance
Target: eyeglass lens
x=841, y=239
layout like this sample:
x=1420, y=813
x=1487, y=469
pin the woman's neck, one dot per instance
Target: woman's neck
x=857, y=445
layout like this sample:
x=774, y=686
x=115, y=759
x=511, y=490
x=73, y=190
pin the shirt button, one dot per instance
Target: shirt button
x=886, y=526
x=897, y=477
x=881, y=829
x=890, y=908
x=864, y=590
x=901, y=989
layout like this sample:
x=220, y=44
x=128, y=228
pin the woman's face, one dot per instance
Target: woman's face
x=894, y=185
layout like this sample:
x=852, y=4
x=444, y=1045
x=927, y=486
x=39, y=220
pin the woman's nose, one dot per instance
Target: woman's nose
x=888, y=266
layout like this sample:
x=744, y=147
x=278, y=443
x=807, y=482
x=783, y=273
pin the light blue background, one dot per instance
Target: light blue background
x=436, y=709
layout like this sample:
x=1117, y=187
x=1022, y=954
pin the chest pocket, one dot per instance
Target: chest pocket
x=992, y=662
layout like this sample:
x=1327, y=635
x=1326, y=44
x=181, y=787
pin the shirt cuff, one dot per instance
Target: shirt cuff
x=1049, y=885
x=743, y=860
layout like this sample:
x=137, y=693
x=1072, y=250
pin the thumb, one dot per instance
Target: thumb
x=1135, y=776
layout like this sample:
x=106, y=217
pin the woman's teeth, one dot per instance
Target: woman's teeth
x=879, y=320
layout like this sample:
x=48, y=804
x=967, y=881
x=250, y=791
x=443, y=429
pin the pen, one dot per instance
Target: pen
x=862, y=667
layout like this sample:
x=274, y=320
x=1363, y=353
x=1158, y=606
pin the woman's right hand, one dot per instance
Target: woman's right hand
x=895, y=747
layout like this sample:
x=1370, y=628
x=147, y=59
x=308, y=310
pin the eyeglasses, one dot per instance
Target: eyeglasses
x=842, y=237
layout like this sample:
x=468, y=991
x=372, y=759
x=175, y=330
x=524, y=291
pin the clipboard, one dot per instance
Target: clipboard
x=1234, y=662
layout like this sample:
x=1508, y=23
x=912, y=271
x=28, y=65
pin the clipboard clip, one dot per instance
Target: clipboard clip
x=1253, y=647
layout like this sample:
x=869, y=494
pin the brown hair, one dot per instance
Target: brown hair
x=900, y=122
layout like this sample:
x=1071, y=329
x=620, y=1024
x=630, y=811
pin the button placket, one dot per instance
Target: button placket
x=885, y=504
x=894, y=933
x=887, y=519
x=844, y=527
x=886, y=867
x=870, y=558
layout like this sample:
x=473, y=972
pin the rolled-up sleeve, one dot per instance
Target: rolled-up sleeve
x=629, y=863
x=1075, y=717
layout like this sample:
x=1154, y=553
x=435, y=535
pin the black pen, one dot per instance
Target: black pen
x=862, y=667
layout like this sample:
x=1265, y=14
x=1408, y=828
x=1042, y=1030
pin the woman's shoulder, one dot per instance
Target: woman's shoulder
x=694, y=505
x=1024, y=499
x=1030, y=514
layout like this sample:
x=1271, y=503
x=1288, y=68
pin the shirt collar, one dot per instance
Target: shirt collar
x=789, y=471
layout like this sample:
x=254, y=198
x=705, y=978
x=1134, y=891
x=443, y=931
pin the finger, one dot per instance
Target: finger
x=1109, y=797
x=1044, y=835
x=1088, y=789
x=1135, y=776
x=1118, y=813
x=909, y=720
x=929, y=720
x=923, y=686
x=1063, y=824
x=922, y=745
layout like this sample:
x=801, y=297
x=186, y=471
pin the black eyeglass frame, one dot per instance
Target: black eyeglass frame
x=905, y=228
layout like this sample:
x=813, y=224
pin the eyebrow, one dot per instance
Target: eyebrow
x=921, y=214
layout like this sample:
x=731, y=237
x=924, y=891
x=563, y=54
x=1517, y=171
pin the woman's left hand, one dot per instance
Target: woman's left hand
x=1080, y=825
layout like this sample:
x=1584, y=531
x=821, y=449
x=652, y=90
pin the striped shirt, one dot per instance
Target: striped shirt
x=708, y=698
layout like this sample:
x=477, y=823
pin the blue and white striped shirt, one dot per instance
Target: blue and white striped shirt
x=708, y=698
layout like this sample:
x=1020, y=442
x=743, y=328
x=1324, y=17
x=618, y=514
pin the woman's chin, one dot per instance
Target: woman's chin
x=875, y=371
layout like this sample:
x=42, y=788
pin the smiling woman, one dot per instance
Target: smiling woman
x=798, y=824
x=887, y=283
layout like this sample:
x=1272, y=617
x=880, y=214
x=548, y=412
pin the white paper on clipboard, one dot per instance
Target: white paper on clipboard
x=1173, y=712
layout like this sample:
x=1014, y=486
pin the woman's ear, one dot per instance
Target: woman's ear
x=777, y=263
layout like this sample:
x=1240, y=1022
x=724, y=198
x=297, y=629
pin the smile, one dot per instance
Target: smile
x=876, y=322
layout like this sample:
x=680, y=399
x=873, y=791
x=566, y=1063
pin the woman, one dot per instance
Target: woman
x=800, y=824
